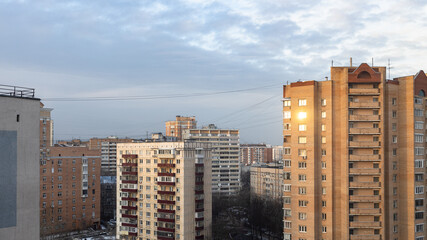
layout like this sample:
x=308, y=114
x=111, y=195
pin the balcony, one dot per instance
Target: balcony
x=129, y=156
x=166, y=229
x=130, y=181
x=166, y=220
x=370, y=224
x=166, y=183
x=129, y=208
x=165, y=202
x=129, y=199
x=130, y=173
x=165, y=165
x=365, y=184
x=363, y=91
x=166, y=192
x=364, y=118
x=365, y=237
x=364, y=171
x=365, y=211
x=165, y=211
x=129, y=190
x=365, y=198
x=130, y=225
x=129, y=164
x=129, y=216
x=364, y=131
x=160, y=174
x=364, y=105
x=364, y=144
x=364, y=158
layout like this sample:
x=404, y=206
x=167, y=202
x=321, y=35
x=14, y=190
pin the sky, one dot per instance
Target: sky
x=222, y=61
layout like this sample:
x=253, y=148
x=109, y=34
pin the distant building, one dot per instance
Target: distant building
x=70, y=190
x=255, y=153
x=181, y=123
x=108, y=197
x=46, y=127
x=277, y=152
x=267, y=180
x=225, y=156
x=19, y=157
x=164, y=190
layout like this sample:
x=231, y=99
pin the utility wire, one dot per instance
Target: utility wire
x=149, y=97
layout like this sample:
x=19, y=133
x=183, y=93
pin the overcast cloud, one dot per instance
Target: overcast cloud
x=135, y=48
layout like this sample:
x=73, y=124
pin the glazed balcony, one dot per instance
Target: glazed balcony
x=129, y=199
x=365, y=237
x=365, y=171
x=364, y=131
x=365, y=198
x=364, y=158
x=364, y=118
x=365, y=211
x=368, y=224
x=363, y=91
x=364, y=144
x=365, y=184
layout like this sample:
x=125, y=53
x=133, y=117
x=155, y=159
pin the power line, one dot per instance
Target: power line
x=150, y=97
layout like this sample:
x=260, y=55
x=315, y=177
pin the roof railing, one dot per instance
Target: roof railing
x=15, y=91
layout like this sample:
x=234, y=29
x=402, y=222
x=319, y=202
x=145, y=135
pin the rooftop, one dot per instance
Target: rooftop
x=15, y=91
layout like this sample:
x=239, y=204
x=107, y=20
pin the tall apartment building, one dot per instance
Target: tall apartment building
x=69, y=190
x=225, y=156
x=176, y=128
x=108, y=148
x=356, y=144
x=19, y=153
x=255, y=153
x=46, y=127
x=164, y=191
x=267, y=180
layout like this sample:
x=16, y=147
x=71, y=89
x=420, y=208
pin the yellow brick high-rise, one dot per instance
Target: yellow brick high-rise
x=354, y=156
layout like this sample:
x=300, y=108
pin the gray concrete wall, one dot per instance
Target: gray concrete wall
x=27, y=179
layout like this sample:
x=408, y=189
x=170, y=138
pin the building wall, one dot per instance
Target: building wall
x=267, y=181
x=181, y=123
x=66, y=202
x=358, y=173
x=19, y=176
x=225, y=157
x=160, y=186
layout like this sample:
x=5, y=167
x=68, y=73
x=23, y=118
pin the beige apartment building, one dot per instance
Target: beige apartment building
x=69, y=190
x=46, y=127
x=164, y=190
x=267, y=181
x=176, y=128
x=354, y=156
x=225, y=157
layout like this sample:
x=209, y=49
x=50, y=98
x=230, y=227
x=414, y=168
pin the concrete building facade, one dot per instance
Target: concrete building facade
x=354, y=156
x=267, y=181
x=69, y=190
x=164, y=191
x=225, y=157
x=181, y=123
x=19, y=154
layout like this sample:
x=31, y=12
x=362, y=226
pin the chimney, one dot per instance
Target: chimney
x=351, y=62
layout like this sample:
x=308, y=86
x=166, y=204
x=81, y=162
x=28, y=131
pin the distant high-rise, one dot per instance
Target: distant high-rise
x=176, y=128
x=19, y=158
x=225, y=156
x=354, y=156
x=164, y=190
x=46, y=127
x=255, y=153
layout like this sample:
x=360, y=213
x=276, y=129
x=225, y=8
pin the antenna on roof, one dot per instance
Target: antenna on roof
x=389, y=68
x=372, y=62
x=332, y=63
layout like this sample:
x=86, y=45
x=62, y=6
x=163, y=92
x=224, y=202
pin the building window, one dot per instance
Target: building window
x=302, y=102
x=323, y=216
x=287, y=200
x=287, y=126
x=419, y=215
x=418, y=113
x=288, y=224
x=418, y=100
x=323, y=127
x=419, y=228
x=419, y=163
x=324, y=229
x=419, y=177
x=393, y=101
x=323, y=177
x=286, y=187
x=302, y=152
x=323, y=190
x=287, y=115
x=419, y=189
x=302, y=139
x=419, y=151
x=287, y=163
x=287, y=103
x=323, y=203
x=302, y=203
x=302, y=177
x=419, y=138
x=302, y=190
x=419, y=125
x=323, y=139
x=393, y=126
x=287, y=151
x=394, y=138
x=323, y=102
x=302, y=216
x=302, y=127
x=302, y=165
x=302, y=228
x=323, y=165
x=323, y=114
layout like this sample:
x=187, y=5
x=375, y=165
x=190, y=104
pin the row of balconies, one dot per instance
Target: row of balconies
x=371, y=157
x=364, y=144
x=363, y=91
x=365, y=211
x=364, y=131
x=364, y=104
x=367, y=224
x=365, y=184
x=365, y=198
